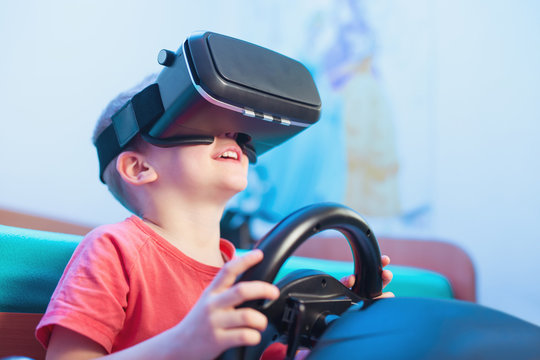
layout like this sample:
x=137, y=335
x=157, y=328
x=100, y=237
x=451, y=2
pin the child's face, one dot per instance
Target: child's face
x=218, y=169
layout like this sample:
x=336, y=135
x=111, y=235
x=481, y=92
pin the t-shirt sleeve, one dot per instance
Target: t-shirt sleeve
x=91, y=295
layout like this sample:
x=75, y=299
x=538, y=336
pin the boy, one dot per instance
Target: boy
x=161, y=283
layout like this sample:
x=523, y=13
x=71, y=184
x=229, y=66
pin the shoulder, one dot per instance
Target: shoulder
x=120, y=240
x=106, y=256
x=128, y=232
x=130, y=227
x=91, y=296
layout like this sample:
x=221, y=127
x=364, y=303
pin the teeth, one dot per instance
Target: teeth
x=229, y=154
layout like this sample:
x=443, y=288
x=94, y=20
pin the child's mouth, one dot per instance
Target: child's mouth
x=229, y=155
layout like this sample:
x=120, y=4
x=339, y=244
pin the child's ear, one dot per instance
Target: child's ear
x=134, y=168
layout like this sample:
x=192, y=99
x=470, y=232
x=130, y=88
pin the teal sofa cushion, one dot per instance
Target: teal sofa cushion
x=32, y=262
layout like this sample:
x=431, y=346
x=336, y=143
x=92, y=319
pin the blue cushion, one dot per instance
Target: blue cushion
x=32, y=262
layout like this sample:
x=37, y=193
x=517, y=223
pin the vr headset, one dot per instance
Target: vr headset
x=212, y=85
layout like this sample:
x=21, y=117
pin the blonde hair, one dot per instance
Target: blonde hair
x=111, y=177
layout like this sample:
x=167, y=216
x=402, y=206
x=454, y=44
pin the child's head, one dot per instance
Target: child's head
x=198, y=169
x=111, y=176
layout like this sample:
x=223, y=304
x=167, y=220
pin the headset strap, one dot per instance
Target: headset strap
x=134, y=117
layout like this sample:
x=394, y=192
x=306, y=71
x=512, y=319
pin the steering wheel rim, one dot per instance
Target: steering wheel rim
x=281, y=242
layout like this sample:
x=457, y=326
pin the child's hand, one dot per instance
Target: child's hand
x=214, y=324
x=387, y=275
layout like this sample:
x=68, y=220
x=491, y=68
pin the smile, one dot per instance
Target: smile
x=229, y=155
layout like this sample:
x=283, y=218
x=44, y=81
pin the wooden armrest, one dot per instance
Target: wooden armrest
x=17, y=335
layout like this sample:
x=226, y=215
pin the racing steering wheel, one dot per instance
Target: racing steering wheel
x=310, y=300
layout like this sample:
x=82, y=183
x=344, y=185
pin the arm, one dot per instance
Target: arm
x=68, y=344
x=213, y=325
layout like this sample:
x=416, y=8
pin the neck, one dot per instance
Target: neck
x=192, y=227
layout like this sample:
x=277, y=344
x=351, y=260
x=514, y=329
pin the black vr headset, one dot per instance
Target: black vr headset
x=212, y=85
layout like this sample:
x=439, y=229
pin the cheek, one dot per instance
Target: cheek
x=182, y=166
x=193, y=170
x=193, y=158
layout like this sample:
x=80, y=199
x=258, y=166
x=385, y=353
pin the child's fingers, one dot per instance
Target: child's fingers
x=246, y=291
x=348, y=281
x=387, y=294
x=230, y=271
x=240, y=337
x=387, y=276
x=243, y=318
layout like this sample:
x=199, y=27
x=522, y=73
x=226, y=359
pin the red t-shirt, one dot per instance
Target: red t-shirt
x=125, y=284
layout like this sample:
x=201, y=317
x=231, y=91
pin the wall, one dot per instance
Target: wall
x=487, y=187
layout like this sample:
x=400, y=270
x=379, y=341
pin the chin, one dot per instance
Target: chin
x=234, y=187
x=240, y=188
x=238, y=183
